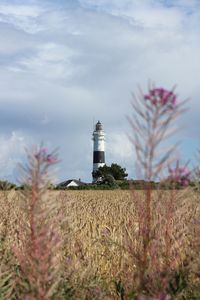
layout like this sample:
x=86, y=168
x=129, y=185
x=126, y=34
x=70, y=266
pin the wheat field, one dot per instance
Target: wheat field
x=101, y=237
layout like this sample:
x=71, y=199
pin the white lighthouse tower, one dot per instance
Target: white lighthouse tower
x=99, y=147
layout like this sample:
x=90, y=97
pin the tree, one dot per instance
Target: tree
x=115, y=170
x=118, y=172
x=110, y=181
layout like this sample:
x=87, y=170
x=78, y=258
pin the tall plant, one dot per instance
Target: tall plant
x=152, y=124
x=38, y=250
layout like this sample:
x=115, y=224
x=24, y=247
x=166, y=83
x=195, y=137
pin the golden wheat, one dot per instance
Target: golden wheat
x=101, y=235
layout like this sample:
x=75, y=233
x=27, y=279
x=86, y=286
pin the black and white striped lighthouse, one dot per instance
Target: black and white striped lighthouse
x=99, y=147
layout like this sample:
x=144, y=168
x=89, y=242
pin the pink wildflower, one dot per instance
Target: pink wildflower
x=51, y=159
x=162, y=97
x=43, y=156
x=39, y=155
x=180, y=175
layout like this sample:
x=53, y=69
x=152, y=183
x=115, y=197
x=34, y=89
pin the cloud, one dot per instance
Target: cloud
x=150, y=14
x=119, y=147
x=12, y=150
x=21, y=16
x=65, y=63
x=120, y=151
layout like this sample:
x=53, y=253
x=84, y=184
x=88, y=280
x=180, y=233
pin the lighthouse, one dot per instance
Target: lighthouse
x=99, y=147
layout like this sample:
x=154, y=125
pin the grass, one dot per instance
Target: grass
x=101, y=247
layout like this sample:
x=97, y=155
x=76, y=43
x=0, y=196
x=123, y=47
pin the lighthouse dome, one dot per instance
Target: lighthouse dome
x=99, y=126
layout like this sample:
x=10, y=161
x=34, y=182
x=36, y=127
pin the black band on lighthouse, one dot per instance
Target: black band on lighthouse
x=98, y=157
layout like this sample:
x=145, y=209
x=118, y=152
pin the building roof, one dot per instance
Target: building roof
x=67, y=182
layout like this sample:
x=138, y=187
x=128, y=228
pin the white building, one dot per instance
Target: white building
x=71, y=183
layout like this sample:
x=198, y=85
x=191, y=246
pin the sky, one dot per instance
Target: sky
x=65, y=64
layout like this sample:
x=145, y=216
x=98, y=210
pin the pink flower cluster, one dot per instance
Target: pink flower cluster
x=161, y=97
x=43, y=156
x=180, y=175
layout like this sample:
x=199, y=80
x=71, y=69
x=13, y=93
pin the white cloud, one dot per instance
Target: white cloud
x=185, y=3
x=45, y=120
x=120, y=150
x=12, y=148
x=62, y=67
x=20, y=10
x=149, y=14
x=21, y=16
x=51, y=61
x=119, y=147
